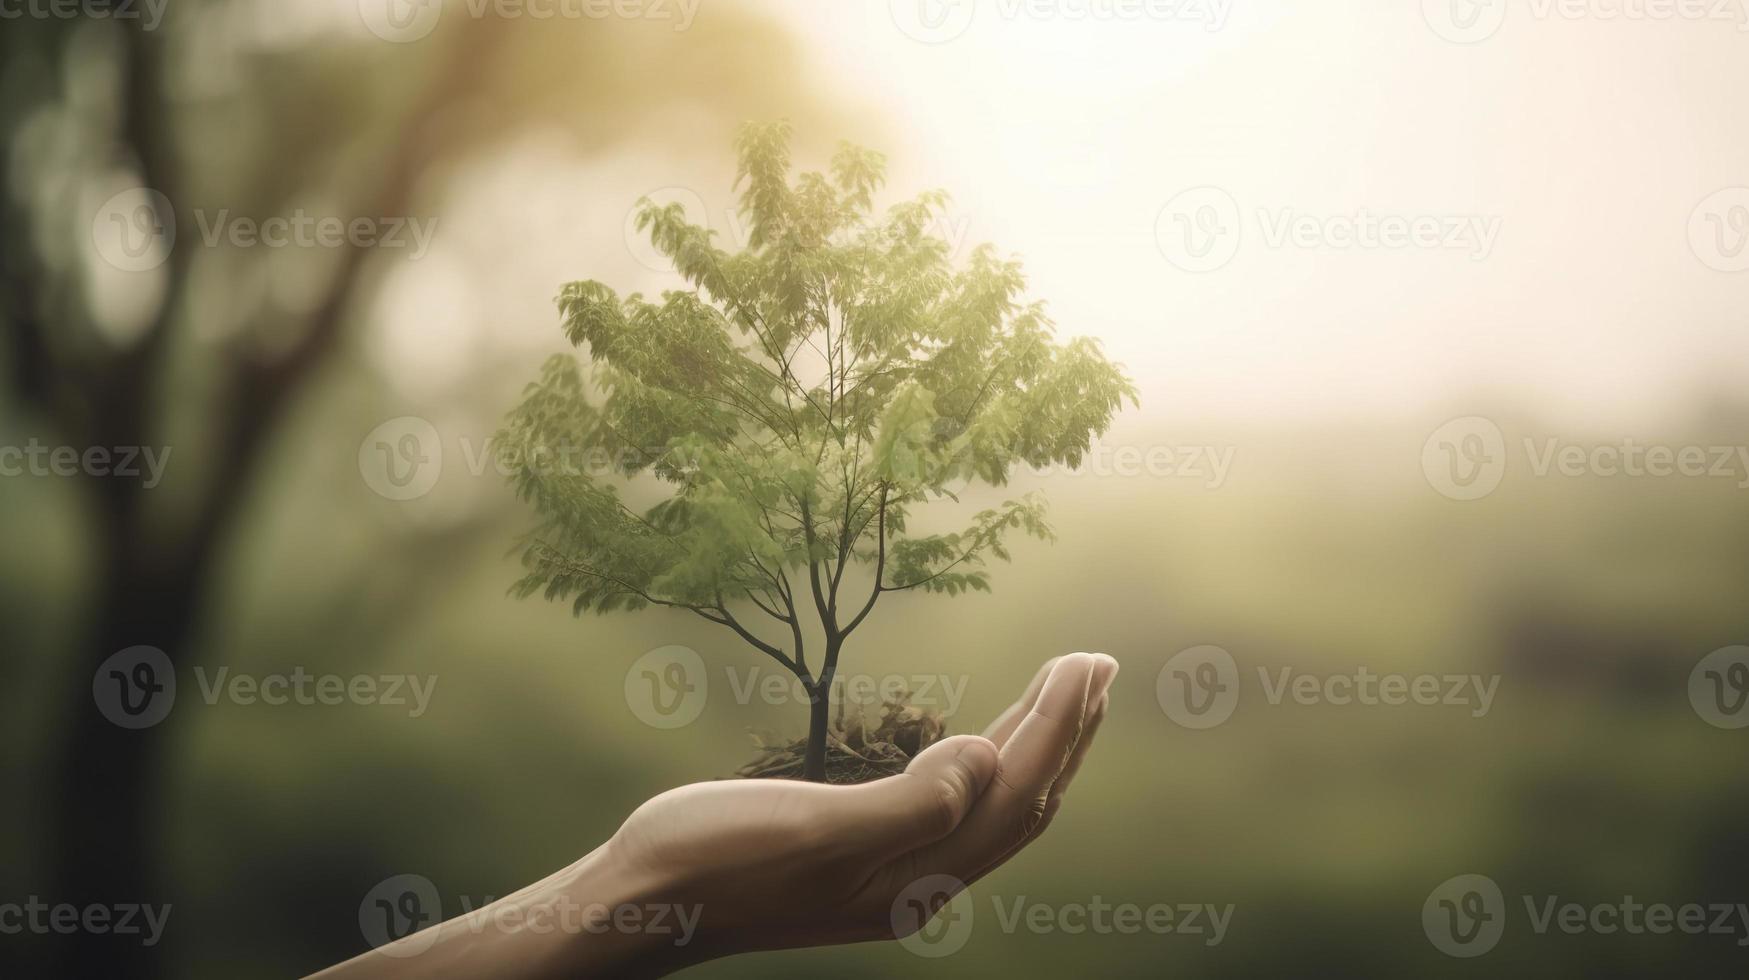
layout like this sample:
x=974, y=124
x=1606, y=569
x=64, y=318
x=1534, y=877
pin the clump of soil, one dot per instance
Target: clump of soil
x=855, y=752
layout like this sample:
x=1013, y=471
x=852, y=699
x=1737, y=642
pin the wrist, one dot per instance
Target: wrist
x=623, y=919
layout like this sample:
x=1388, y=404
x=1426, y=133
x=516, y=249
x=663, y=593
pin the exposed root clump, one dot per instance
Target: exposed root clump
x=855, y=753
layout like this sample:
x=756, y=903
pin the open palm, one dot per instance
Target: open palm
x=779, y=863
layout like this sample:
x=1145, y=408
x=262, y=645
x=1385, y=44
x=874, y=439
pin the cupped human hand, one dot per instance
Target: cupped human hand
x=770, y=864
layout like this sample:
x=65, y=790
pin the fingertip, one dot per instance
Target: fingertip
x=1066, y=691
x=1105, y=670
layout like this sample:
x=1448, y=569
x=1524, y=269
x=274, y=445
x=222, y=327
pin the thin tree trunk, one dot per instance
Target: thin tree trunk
x=819, y=712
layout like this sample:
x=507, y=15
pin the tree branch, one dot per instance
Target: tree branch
x=730, y=621
x=880, y=565
x=982, y=538
x=826, y=618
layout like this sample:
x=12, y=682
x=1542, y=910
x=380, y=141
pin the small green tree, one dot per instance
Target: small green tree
x=796, y=405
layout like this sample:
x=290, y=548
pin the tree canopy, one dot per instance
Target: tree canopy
x=802, y=399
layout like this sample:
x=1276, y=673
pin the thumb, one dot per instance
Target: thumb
x=929, y=799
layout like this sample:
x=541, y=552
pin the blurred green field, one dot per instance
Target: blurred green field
x=1324, y=826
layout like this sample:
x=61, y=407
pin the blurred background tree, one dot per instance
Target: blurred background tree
x=242, y=108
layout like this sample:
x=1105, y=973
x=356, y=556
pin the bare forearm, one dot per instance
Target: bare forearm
x=732, y=866
x=593, y=918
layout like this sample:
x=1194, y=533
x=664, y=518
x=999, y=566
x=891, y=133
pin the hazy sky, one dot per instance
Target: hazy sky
x=1584, y=143
x=1555, y=170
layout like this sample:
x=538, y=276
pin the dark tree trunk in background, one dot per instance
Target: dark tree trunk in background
x=109, y=785
x=153, y=565
x=154, y=568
